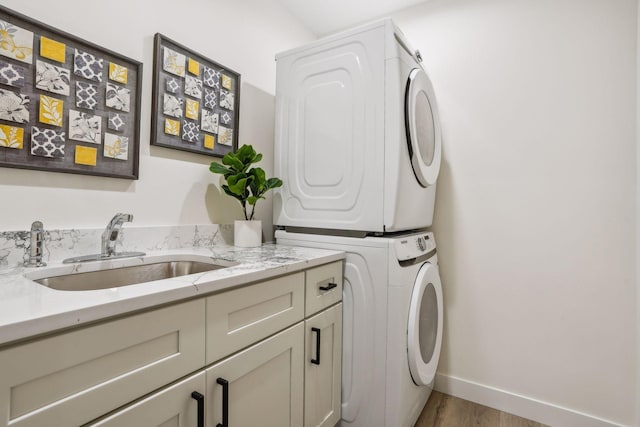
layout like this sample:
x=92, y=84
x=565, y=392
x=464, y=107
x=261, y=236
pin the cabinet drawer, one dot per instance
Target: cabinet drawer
x=324, y=287
x=72, y=378
x=172, y=406
x=241, y=317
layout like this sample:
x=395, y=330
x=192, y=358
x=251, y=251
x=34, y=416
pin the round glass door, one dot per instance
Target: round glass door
x=424, y=331
x=422, y=123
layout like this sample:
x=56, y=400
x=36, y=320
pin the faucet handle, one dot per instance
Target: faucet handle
x=36, y=245
x=37, y=231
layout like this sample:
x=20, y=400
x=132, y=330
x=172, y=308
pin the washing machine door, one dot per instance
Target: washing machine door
x=422, y=124
x=425, y=325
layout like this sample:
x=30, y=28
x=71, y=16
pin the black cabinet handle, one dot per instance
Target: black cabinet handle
x=316, y=361
x=225, y=402
x=328, y=287
x=200, y=399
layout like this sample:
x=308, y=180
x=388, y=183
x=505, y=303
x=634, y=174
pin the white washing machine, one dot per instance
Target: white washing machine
x=357, y=138
x=392, y=324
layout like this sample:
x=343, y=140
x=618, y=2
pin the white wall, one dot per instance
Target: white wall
x=174, y=187
x=535, y=217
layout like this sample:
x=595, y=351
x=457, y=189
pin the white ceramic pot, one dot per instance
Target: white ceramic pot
x=247, y=234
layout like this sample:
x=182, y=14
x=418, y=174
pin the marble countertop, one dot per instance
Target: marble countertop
x=28, y=309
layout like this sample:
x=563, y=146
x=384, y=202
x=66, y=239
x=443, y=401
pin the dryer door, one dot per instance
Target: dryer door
x=423, y=128
x=425, y=325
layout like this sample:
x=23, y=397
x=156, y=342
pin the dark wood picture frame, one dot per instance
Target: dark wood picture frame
x=123, y=94
x=183, y=78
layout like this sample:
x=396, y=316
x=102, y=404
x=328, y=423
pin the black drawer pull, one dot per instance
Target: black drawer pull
x=316, y=361
x=200, y=399
x=225, y=402
x=328, y=287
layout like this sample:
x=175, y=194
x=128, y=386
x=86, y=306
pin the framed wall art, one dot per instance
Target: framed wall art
x=66, y=105
x=196, y=101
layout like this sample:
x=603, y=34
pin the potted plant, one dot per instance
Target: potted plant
x=247, y=185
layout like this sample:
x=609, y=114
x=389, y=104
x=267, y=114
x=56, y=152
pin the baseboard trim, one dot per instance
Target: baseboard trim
x=523, y=406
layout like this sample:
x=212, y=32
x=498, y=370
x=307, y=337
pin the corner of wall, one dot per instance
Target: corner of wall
x=637, y=222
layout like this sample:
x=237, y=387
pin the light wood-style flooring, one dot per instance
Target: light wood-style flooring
x=447, y=411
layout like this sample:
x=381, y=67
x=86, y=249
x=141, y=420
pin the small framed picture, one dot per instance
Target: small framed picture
x=196, y=101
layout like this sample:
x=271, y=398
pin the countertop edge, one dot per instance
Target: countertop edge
x=38, y=326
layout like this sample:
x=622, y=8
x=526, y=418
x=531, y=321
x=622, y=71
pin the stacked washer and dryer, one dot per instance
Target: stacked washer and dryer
x=358, y=147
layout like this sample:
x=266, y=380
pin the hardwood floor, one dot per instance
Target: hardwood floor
x=447, y=411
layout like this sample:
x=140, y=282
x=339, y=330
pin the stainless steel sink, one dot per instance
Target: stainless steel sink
x=125, y=276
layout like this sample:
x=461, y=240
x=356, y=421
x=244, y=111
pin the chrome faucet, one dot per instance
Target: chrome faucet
x=109, y=240
x=110, y=235
x=36, y=246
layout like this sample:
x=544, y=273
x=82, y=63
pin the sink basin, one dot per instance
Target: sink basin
x=128, y=275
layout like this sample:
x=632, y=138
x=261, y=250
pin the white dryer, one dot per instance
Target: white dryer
x=357, y=138
x=392, y=324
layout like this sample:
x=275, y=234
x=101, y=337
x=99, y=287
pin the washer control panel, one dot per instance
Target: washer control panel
x=414, y=245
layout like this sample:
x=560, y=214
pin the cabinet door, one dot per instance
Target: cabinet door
x=323, y=368
x=172, y=407
x=264, y=384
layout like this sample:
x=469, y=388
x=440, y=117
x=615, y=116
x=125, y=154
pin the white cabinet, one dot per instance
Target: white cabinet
x=323, y=362
x=323, y=345
x=238, y=358
x=240, y=317
x=323, y=287
x=74, y=377
x=178, y=405
x=260, y=386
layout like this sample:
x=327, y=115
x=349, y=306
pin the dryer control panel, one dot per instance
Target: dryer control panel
x=414, y=246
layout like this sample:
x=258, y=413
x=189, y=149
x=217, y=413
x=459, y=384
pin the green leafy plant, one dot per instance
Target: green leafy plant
x=245, y=183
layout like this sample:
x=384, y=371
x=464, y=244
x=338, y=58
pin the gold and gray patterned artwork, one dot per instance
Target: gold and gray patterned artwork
x=58, y=95
x=193, y=97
